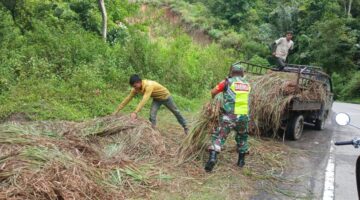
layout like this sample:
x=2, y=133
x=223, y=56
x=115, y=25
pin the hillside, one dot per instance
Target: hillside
x=326, y=33
x=60, y=81
x=56, y=66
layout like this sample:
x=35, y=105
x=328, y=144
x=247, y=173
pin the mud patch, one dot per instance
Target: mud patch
x=199, y=36
x=16, y=117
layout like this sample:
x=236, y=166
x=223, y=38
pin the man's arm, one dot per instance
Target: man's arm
x=148, y=91
x=274, y=46
x=278, y=41
x=125, y=101
x=273, y=49
x=214, y=92
x=219, y=88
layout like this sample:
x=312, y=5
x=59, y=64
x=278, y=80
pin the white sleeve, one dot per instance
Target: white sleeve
x=292, y=45
x=278, y=41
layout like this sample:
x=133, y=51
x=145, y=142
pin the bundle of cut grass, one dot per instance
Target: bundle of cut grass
x=136, y=138
x=271, y=95
x=198, y=138
x=96, y=159
x=37, y=172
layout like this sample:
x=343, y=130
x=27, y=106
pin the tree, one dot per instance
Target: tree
x=347, y=6
x=283, y=17
x=235, y=11
x=332, y=45
x=104, y=19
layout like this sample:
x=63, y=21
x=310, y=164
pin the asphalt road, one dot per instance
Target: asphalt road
x=310, y=159
x=345, y=156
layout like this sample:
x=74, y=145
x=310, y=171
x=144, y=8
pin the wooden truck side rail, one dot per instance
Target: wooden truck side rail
x=307, y=105
x=253, y=68
x=306, y=74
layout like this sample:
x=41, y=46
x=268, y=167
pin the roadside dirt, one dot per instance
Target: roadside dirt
x=174, y=19
x=199, y=36
x=16, y=117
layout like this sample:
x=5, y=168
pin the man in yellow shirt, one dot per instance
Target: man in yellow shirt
x=160, y=95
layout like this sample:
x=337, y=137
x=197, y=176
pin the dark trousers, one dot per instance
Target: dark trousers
x=280, y=63
x=170, y=104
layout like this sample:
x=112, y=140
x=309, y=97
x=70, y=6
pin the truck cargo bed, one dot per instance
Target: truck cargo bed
x=298, y=105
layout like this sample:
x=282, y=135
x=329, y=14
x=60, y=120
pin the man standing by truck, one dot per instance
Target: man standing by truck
x=234, y=115
x=281, y=49
x=160, y=95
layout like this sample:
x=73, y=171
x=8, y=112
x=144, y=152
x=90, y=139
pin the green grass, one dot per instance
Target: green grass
x=42, y=103
x=357, y=101
x=82, y=77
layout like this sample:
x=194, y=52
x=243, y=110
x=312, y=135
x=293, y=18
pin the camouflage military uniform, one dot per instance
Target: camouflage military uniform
x=234, y=116
x=230, y=121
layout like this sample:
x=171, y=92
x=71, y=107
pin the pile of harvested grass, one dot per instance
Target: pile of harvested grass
x=271, y=95
x=198, y=138
x=96, y=159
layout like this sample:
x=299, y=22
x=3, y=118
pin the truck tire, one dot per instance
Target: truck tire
x=295, y=127
x=320, y=124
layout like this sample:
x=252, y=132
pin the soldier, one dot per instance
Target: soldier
x=234, y=115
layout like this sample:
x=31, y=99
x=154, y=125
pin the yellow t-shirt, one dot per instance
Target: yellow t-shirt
x=148, y=89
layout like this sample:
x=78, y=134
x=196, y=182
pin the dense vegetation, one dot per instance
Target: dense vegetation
x=54, y=63
x=327, y=32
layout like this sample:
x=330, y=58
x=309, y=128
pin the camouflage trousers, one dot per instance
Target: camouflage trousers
x=229, y=122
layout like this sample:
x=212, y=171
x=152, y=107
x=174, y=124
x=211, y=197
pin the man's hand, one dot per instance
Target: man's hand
x=133, y=116
x=208, y=107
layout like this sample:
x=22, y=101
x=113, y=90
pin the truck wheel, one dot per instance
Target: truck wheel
x=320, y=124
x=295, y=127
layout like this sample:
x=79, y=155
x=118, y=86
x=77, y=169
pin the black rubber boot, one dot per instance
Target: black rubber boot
x=241, y=160
x=186, y=130
x=212, y=161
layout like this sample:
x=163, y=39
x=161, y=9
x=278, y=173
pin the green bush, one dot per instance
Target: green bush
x=346, y=86
x=352, y=87
x=232, y=39
x=259, y=61
x=60, y=68
x=216, y=33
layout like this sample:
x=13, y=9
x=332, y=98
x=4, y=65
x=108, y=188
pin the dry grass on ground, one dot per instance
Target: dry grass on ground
x=113, y=158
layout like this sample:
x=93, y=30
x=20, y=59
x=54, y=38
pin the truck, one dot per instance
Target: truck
x=299, y=111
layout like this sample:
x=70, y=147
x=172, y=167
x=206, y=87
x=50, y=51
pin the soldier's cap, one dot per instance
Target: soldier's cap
x=237, y=68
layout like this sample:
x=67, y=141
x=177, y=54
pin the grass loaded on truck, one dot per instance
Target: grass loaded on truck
x=286, y=100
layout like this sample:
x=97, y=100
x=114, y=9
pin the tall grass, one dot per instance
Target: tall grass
x=83, y=77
